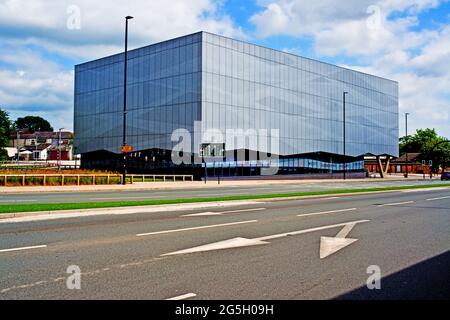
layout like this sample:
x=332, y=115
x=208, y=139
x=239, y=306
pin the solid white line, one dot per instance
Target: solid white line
x=326, y=212
x=183, y=297
x=396, y=204
x=435, y=199
x=22, y=249
x=196, y=228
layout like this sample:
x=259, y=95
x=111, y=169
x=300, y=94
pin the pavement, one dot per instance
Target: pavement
x=167, y=191
x=320, y=248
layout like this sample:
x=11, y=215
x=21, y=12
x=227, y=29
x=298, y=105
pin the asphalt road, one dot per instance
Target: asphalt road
x=264, y=188
x=405, y=234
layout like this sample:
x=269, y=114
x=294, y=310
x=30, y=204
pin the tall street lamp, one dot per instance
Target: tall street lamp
x=124, y=145
x=406, y=126
x=345, y=145
x=18, y=132
x=59, y=149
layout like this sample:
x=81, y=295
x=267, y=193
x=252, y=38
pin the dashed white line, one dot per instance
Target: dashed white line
x=436, y=199
x=23, y=248
x=202, y=214
x=197, y=228
x=326, y=212
x=396, y=204
x=183, y=297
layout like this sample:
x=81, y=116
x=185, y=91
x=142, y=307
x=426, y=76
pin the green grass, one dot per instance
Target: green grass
x=17, y=208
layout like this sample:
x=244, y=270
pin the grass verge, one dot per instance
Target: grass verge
x=18, y=208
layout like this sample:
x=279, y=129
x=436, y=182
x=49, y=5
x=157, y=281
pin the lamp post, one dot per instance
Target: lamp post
x=18, y=132
x=59, y=149
x=124, y=154
x=406, y=127
x=345, y=145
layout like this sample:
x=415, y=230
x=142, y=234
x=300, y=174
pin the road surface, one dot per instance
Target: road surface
x=289, y=249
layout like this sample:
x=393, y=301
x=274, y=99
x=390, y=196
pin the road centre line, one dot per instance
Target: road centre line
x=23, y=248
x=197, y=228
x=182, y=297
x=396, y=204
x=441, y=198
x=326, y=212
x=222, y=213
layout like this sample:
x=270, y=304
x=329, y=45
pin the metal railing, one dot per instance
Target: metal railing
x=84, y=179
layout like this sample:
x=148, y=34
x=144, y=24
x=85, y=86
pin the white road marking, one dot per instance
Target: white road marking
x=436, y=199
x=326, y=212
x=331, y=198
x=396, y=204
x=183, y=297
x=295, y=233
x=244, y=242
x=196, y=228
x=23, y=248
x=205, y=214
x=227, y=244
x=329, y=246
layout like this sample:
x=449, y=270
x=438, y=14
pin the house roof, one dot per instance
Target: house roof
x=412, y=157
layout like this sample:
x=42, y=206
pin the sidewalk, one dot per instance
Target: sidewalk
x=139, y=186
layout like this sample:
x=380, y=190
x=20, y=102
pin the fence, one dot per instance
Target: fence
x=84, y=179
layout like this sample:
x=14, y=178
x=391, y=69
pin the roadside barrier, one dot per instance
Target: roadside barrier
x=23, y=180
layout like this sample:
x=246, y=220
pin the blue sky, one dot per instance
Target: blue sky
x=405, y=40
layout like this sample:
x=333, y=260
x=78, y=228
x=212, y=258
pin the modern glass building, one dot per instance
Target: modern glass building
x=205, y=81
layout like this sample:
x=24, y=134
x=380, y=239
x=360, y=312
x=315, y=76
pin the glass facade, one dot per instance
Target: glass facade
x=229, y=84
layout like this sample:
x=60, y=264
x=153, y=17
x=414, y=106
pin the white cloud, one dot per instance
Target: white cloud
x=380, y=37
x=32, y=33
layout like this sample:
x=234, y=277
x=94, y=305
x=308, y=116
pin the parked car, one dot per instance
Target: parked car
x=445, y=176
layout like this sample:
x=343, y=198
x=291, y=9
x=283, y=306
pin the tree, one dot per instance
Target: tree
x=430, y=146
x=33, y=123
x=5, y=129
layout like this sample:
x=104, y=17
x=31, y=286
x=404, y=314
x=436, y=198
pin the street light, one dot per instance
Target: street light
x=59, y=149
x=124, y=154
x=345, y=151
x=18, y=132
x=406, y=126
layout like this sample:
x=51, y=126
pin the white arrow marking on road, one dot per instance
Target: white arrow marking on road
x=227, y=244
x=329, y=246
x=244, y=242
